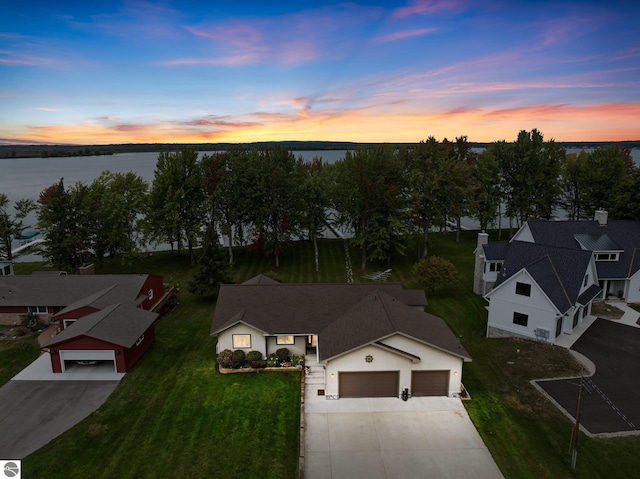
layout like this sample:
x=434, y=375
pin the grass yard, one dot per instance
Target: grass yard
x=174, y=414
x=15, y=355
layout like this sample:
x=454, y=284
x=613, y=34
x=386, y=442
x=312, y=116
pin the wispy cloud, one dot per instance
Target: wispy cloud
x=427, y=7
x=392, y=37
x=290, y=39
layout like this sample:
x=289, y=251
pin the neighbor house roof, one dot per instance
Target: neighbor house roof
x=343, y=316
x=495, y=251
x=614, y=236
x=558, y=271
x=118, y=324
x=37, y=290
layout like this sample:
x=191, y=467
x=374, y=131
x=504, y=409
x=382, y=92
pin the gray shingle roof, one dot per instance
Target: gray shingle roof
x=36, y=290
x=624, y=234
x=118, y=324
x=495, y=251
x=558, y=271
x=344, y=316
x=590, y=293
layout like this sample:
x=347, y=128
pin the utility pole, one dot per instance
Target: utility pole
x=576, y=430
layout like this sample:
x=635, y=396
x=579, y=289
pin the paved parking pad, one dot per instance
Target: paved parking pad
x=388, y=438
x=611, y=398
x=35, y=412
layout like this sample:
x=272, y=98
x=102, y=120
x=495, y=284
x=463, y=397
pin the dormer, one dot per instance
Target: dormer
x=603, y=247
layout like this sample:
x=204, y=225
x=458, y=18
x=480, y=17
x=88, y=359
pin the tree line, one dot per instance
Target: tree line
x=265, y=198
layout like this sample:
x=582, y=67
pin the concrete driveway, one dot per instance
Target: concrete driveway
x=373, y=438
x=36, y=405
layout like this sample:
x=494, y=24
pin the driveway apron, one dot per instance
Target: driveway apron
x=372, y=438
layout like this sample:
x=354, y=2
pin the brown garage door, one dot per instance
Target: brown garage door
x=369, y=384
x=430, y=383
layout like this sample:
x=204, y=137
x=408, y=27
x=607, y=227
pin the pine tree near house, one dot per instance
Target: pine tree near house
x=212, y=267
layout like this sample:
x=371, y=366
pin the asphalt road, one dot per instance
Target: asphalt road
x=611, y=397
x=32, y=413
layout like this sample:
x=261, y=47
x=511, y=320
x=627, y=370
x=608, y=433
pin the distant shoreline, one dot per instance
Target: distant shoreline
x=55, y=151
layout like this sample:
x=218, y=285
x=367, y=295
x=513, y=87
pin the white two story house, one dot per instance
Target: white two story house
x=541, y=283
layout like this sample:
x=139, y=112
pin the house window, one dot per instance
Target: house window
x=606, y=256
x=284, y=339
x=495, y=267
x=68, y=322
x=586, y=280
x=38, y=309
x=140, y=339
x=523, y=289
x=241, y=341
x=150, y=294
x=520, y=319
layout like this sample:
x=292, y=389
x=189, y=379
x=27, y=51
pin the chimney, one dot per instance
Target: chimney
x=601, y=217
x=87, y=269
x=478, y=283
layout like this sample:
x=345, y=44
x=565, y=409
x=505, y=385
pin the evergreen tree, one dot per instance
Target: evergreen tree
x=12, y=226
x=212, y=268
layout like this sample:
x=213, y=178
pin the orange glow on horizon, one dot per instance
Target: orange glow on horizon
x=611, y=122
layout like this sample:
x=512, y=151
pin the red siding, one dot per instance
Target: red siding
x=152, y=283
x=14, y=309
x=75, y=314
x=125, y=358
x=132, y=355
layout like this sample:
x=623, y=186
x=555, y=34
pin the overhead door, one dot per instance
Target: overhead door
x=69, y=357
x=430, y=383
x=369, y=384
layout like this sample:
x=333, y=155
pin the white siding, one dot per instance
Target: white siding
x=504, y=302
x=430, y=359
x=258, y=343
x=299, y=346
x=523, y=234
x=633, y=295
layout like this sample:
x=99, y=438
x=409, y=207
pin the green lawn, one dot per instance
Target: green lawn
x=174, y=414
x=15, y=354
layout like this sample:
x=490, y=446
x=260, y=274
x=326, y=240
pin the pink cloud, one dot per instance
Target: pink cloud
x=426, y=7
x=392, y=37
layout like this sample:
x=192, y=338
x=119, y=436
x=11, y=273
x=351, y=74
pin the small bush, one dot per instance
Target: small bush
x=254, y=359
x=282, y=354
x=238, y=358
x=225, y=359
x=272, y=361
x=29, y=320
x=297, y=360
x=20, y=331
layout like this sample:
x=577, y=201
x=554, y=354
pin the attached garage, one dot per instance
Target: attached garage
x=71, y=357
x=369, y=384
x=430, y=383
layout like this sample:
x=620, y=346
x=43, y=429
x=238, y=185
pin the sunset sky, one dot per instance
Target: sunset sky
x=370, y=71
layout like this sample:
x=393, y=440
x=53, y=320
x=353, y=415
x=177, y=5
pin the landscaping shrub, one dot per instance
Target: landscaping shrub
x=225, y=359
x=272, y=361
x=20, y=331
x=282, y=354
x=297, y=360
x=238, y=358
x=254, y=359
